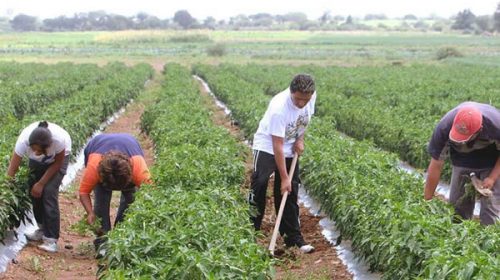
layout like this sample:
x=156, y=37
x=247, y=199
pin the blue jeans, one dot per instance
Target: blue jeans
x=102, y=202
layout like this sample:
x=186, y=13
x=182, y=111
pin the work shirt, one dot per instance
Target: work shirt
x=283, y=119
x=104, y=143
x=482, y=152
x=60, y=141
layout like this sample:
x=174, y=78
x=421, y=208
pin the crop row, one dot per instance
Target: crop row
x=193, y=222
x=37, y=85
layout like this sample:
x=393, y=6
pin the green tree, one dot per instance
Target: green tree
x=483, y=23
x=296, y=17
x=261, y=19
x=349, y=20
x=464, y=20
x=410, y=17
x=24, y=22
x=325, y=18
x=184, y=19
x=210, y=23
x=496, y=18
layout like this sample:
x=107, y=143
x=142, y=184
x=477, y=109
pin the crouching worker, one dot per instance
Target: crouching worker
x=470, y=134
x=47, y=147
x=112, y=162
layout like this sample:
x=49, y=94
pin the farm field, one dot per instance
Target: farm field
x=271, y=47
x=379, y=98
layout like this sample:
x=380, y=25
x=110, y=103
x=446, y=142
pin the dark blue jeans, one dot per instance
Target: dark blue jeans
x=46, y=208
x=102, y=202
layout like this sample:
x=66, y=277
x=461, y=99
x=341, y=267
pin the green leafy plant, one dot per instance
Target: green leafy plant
x=82, y=227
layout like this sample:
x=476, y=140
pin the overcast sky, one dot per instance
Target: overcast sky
x=223, y=9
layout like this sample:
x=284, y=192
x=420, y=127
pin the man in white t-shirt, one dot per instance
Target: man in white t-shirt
x=47, y=147
x=279, y=136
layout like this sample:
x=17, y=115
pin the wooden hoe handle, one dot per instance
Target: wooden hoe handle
x=282, y=207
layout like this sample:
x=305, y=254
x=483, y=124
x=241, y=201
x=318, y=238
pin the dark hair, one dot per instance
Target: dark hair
x=41, y=135
x=303, y=83
x=115, y=170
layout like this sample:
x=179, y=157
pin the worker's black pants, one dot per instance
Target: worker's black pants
x=264, y=166
x=46, y=207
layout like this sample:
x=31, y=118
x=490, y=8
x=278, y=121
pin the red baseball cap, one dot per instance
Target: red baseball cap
x=467, y=122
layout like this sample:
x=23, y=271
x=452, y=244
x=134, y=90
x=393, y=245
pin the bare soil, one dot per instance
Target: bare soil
x=323, y=263
x=76, y=257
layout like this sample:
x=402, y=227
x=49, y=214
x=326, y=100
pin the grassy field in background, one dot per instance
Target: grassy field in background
x=281, y=47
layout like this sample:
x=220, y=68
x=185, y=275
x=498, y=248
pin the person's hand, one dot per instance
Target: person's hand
x=286, y=186
x=428, y=197
x=488, y=183
x=298, y=147
x=37, y=190
x=91, y=218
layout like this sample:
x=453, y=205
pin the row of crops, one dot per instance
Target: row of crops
x=28, y=88
x=193, y=223
x=360, y=186
x=90, y=94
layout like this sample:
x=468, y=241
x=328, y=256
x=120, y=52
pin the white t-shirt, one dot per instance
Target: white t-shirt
x=283, y=119
x=60, y=141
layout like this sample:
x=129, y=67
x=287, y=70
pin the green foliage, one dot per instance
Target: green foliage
x=83, y=228
x=15, y=200
x=446, y=52
x=191, y=38
x=218, y=49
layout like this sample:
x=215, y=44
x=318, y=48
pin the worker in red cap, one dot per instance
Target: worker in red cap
x=470, y=134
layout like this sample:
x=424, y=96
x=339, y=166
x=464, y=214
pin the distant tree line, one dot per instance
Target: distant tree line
x=464, y=21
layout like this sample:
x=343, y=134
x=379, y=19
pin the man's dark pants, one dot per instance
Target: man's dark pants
x=264, y=166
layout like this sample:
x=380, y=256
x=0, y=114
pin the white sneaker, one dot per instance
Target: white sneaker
x=306, y=249
x=37, y=235
x=49, y=245
x=100, y=254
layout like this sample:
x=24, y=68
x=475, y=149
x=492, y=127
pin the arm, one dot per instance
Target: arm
x=87, y=205
x=14, y=164
x=37, y=189
x=279, y=157
x=433, y=175
x=89, y=180
x=298, y=146
x=489, y=181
